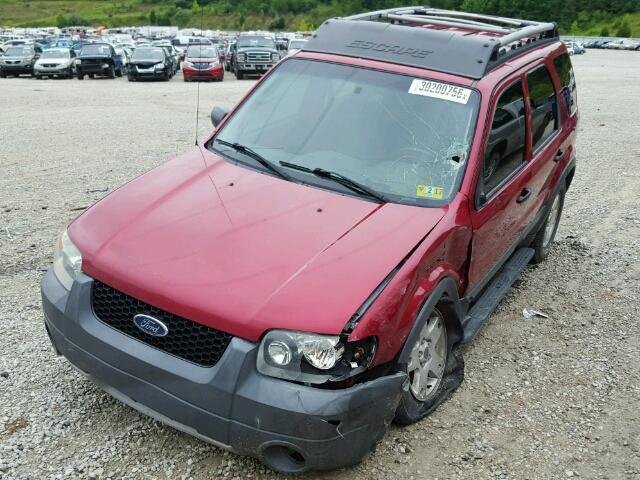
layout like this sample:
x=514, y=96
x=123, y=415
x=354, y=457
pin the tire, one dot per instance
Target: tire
x=91, y=75
x=3, y=75
x=185, y=78
x=543, y=241
x=413, y=407
x=239, y=75
x=119, y=72
x=111, y=73
x=131, y=78
x=80, y=76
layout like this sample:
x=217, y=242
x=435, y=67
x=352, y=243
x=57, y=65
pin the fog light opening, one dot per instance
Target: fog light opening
x=284, y=459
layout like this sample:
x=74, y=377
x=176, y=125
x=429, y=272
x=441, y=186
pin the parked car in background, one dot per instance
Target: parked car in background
x=228, y=56
x=173, y=53
x=295, y=45
x=254, y=54
x=19, y=60
x=202, y=63
x=98, y=59
x=126, y=58
x=149, y=63
x=575, y=48
x=55, y=62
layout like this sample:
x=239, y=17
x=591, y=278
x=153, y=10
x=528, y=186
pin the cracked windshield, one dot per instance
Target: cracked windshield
x=405, y=138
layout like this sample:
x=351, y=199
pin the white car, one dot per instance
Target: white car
x=295, y=45
x=55, y=62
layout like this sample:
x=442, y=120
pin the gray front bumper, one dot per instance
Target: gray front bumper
x=229, y=404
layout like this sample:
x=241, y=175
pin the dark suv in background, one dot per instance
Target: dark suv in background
x=19, y=60
x=98, y=59
x=254, y=54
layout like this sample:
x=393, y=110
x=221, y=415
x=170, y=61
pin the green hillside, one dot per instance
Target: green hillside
x=619, y=17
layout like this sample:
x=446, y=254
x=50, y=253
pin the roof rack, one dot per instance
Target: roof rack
x=372, y=32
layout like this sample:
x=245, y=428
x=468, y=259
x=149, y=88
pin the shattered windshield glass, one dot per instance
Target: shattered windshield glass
x=403, y=137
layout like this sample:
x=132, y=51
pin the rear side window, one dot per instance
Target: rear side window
x=504, y=153
x=562, y=63
x=544, y=106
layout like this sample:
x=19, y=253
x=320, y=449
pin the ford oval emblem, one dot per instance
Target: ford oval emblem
x=150, y=326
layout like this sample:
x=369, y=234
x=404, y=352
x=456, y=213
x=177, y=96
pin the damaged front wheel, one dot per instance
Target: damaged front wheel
x=435, y=369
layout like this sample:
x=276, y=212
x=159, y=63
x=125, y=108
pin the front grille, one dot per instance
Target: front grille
x=186, y=339
x=258, y=57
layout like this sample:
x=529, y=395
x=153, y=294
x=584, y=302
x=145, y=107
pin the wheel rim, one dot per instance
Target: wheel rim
x=552, y=220
x=428, y=358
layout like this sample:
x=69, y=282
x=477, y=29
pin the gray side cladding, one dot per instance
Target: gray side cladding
x=441, y=50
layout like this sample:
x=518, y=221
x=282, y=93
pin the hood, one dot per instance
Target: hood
x=257, y=49
x=242, y=251
x=145, y=63
x=201, y=59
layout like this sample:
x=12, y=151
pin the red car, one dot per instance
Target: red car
x=310, y=273
x=202, y=62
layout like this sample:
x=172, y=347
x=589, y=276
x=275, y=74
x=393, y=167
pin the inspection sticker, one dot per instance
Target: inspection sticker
x=427, y=191
x=443, y=91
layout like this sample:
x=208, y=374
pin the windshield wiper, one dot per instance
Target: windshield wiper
x=339, y=178
x=256, y=156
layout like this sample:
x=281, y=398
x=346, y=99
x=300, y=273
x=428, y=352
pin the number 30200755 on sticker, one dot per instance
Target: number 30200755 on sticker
x=444, y=91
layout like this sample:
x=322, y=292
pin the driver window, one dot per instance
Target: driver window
x=504, y=153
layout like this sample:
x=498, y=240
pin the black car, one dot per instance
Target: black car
x=19, y=59
x=98, y=59
x=150, y=63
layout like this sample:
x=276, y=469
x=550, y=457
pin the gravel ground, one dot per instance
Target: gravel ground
x=543, y=398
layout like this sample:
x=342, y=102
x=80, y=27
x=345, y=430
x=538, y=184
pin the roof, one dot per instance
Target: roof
x=452, y=42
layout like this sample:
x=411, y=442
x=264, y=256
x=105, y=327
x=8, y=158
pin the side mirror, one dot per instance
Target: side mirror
x=218, y=114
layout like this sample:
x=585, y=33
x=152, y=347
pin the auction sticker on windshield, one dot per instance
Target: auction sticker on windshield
x=443, y=91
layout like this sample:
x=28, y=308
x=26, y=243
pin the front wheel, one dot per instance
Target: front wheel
x=119, y=72
x=80, y=76
x=435, y=368
x=111, y=73
x=239, y=75
x=547, y=233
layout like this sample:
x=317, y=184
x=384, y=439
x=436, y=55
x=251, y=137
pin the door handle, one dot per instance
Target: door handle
x=559, y=156
x=524, y=195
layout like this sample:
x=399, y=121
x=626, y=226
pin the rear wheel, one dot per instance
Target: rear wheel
x=547, y=233
x=435, y=368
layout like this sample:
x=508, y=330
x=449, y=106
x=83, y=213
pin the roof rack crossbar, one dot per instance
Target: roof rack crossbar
x=525, y=32
x=449, y=22
x=378, y=14
x=516, y=22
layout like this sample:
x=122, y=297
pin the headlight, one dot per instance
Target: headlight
x=77, y=61
x=275, y=57
x=187, y=64
x=159, y=66
x=67, y=261
x=312, y=358
x=241, y=57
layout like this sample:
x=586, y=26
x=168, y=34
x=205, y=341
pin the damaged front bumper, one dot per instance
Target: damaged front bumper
x=290, y=427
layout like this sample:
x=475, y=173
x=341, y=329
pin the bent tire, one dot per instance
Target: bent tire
x=543, y=240
x=435, y=369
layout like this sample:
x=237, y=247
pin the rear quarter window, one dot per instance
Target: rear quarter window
x=562, y=64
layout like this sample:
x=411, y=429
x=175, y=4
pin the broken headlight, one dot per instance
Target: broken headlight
x=67, y=261
x=312, y=358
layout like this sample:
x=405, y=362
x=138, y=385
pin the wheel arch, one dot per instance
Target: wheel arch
x=445, y=294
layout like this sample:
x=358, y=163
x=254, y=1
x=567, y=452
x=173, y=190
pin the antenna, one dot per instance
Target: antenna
x=198, y=82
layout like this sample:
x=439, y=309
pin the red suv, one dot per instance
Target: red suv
x=311, y=272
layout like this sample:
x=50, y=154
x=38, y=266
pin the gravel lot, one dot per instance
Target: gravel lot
x=542, y=398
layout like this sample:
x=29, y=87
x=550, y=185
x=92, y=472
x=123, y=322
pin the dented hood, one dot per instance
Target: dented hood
x=244, y=252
